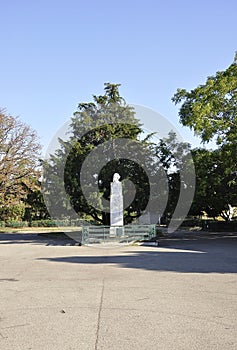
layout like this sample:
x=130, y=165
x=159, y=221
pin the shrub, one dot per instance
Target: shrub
x=43, y=223
x=2, y=224
x=16, y=224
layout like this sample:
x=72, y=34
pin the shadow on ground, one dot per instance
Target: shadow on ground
x=48, y=239
x=217, y=255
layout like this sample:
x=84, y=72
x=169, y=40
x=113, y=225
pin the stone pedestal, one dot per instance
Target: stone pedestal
x=116, y=231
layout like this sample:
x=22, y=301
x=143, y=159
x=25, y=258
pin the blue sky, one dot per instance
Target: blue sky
x=55, y=54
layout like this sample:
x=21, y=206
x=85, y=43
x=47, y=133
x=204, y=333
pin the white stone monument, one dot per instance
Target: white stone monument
x=116, y=204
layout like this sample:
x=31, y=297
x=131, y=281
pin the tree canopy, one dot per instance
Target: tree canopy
x=19, y=161
x=211, y=109
x=216, y=186
x=100, y=123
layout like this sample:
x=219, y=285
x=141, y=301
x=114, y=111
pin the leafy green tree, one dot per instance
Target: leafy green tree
x=35, y=208
x=210, y=110
x=174, y=156
x=216, y=187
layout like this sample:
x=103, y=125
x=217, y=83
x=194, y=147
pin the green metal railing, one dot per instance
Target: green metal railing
x=128, y=233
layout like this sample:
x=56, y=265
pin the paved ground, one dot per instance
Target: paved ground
x=181, y=295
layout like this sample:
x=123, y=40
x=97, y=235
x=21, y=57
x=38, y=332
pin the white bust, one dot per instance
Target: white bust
x=116, y=177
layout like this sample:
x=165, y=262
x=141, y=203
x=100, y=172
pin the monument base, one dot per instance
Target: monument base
x=116, y=231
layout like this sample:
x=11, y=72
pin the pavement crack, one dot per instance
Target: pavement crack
x=17, y=325
x=99, y=317
x=2, y=336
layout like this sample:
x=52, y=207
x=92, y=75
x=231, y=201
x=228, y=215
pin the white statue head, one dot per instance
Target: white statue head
x=116, y=177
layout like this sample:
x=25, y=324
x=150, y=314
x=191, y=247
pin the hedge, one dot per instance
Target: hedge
x=2, y=224
x=16, y=224
x=42, y=223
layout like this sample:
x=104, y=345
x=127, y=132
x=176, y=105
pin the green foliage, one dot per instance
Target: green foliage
x=12, y=212
x=172, y=152
x=19, y=166
x=54, y=223
x=216, y=184
x=43, y=223
x=16, y=224
x=19, y=152
x=40, y=223
x=211, y=109
x=35, y=206
x=174, y=156
x=106, y=118
x=2, y=223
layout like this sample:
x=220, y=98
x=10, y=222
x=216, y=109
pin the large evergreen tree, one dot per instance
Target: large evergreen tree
x=101, y=123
